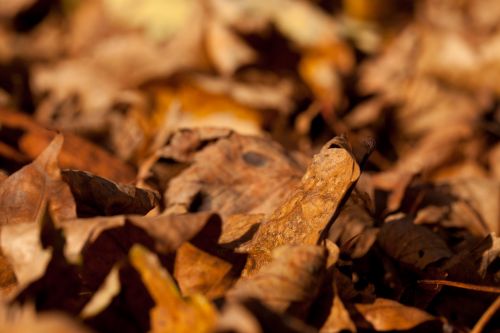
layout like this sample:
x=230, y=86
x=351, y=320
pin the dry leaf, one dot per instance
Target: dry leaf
x=304, y=216
x=338, y=320
x=388, y=315
x=353, y=230
x=172, y=313
x=252, y=317
x=24, y=319
x=95, y=195
x=227, y=51
x=77, y=153
x=289, y=283
x=412, y=245
x=230, y=175
x=25, y=192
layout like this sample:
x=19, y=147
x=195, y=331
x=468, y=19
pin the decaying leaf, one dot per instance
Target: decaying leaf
x=388, y=315
x=306, y=213
x=155, y=215
x=245, y=174
x=412, y=245
x=24, y=193
x=95, y=195
x=289, y=283
x=354, y=229
x=172, y=313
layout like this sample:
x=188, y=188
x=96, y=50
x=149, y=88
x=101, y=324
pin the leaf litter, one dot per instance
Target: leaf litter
x=209, y=166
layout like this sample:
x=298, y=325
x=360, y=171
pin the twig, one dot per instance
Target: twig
x=486, y=289
x=478, y=328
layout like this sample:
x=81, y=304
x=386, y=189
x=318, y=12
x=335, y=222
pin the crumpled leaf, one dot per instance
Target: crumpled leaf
x=353, y=230
x=289, y=283
x=306, y=213
x=388, y=315
x=229, y=174
x=412, y=245
x=172, y=313
x=95, y=195
x=25, y=192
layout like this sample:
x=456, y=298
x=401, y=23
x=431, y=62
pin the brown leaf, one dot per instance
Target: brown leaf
x=412, y=245
x=227, y=51
x=77, y=153
x=172, y=313
x=353, y=230
x=95, y=195
x=24, y=192
x=80, y=154
x=252, y=317
x=289, y=283
x=483, y=195
x=388, y=315
x=202, y=266
x=199, y=271
x=338, y=320
x=232, y=174
x=17, y=319
x=302, y=219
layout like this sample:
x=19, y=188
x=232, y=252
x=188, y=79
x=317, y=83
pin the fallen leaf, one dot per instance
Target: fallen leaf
x=95, y=195
x=354, y=229
x=304, y=216
x=388, y=315
x=338, y=320
x=251, y=316
x=289, y=283
x=76, y=153
x=412, y=245
x=245, y=175
x=227, y=51
x=24, y=319
x=24, y=193
x=172, y=312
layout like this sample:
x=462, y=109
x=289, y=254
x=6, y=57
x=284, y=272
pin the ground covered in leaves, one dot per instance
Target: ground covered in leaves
x=249, y=166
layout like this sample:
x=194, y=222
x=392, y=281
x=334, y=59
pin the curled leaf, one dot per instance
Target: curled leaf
x=303, y=218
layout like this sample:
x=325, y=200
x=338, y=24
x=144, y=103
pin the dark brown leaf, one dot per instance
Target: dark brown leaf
x=95, y=195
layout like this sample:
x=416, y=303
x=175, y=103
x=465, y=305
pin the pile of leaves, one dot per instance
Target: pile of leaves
x=249, y=166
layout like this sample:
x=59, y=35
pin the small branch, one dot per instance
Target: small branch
x=481, y=323
x=486, y=289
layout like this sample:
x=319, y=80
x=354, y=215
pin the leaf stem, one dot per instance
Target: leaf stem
x=486, y=289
